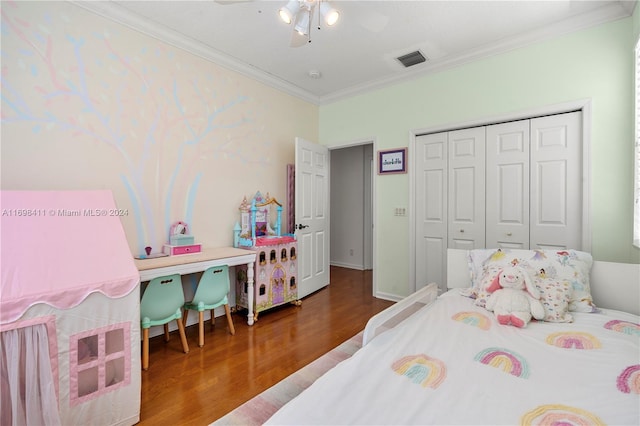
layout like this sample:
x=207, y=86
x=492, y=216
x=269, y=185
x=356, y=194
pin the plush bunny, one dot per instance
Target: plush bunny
x=514, y=298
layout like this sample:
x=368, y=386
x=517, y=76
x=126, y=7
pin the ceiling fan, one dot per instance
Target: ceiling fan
x=300, y=13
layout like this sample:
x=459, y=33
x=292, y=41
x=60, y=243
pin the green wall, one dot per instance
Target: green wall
x=595, y=64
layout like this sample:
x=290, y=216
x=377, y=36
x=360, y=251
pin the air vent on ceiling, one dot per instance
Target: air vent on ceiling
x=413, y=58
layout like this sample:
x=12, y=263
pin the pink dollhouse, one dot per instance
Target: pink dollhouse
x=275, y=270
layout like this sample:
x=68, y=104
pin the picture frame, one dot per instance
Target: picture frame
x=392, y=161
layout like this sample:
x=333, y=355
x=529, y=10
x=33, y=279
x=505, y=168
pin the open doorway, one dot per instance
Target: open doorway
x=351, y=206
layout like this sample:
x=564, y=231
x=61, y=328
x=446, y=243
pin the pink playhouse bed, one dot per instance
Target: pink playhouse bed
x=69, y=312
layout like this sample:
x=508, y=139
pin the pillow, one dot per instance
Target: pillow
x=564, y=265
x=555, y=296
x=479, y=292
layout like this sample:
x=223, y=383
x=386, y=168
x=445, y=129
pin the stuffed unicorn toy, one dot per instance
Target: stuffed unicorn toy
x=514, y=298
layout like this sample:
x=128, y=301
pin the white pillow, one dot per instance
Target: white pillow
x=561, y=265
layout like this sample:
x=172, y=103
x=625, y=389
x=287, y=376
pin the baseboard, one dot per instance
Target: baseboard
x=347, y=265
x=388, y=296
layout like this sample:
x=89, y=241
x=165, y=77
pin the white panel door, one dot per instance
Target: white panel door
x=508, y=185
x=556, y=181
x=312, y=216
x=466, y=188
x=431, y=209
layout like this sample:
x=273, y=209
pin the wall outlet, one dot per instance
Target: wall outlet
x=400, y=211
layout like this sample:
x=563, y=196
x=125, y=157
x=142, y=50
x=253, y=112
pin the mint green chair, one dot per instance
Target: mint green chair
x=212, y=292
x=161, y=303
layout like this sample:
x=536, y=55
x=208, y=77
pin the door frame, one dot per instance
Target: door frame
x=583, y=105
x=357, y=142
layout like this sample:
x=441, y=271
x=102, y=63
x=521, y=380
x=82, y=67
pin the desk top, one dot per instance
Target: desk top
x=207, y=254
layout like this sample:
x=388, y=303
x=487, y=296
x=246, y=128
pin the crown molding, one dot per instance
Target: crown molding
x=609, y=13
x=120, y=15
x=112, y=11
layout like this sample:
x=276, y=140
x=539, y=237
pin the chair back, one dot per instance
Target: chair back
x=213, y=287
x=162, y=299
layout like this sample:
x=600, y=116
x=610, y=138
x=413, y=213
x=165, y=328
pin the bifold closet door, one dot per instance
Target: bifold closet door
x=466, y=189
x=431, y=209
x=508, y=185
x=556, y=181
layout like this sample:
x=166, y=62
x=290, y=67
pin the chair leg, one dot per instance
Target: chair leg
x=213, y=319
x=166, y=332
x=145, y=348
x=227, y=311
x=185, y=315
x=201, y=328
x=183, y=336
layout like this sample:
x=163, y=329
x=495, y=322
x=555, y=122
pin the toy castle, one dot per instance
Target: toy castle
x=276, y=268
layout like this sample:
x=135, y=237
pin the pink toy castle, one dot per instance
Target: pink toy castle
x=276, y=267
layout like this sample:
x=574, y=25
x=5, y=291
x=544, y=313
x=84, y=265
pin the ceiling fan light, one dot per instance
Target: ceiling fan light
x=289, y=11
x=302, y=24
x=329, y=14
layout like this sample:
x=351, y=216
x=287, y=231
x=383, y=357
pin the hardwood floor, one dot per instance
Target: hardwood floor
x=205, y=384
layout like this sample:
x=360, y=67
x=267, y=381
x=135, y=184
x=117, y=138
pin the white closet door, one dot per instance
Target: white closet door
x=466, y=191
x=431, y=209
x=508, y=185
x=556, y=181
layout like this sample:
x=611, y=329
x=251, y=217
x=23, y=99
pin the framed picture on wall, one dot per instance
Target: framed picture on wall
x=392, y=161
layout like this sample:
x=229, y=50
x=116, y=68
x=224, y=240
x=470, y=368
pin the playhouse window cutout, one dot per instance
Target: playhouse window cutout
x=292, y=283
x=263, y=289
x=100, y=362
x=272, y=256
x=293, y=253
x=263, y=258
x=283, y=255
x=114, y=341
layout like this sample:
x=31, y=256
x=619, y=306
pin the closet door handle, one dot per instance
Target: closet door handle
x=508, y=234
x=462, y=230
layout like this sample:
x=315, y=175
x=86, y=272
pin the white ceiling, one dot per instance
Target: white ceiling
x=359, y=52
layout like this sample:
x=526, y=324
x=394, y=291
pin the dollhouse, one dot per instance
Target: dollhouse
x=275, y=270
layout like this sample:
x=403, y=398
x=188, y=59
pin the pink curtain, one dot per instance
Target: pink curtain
x=28, y=392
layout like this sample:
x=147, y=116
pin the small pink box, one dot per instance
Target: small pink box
x=176, y=250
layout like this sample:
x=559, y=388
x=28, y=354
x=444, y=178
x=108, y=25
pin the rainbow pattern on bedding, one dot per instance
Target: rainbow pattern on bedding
x=557, y=414
x=574, y=339
x=421, y=369
x=475, y=319
x=509, y=361
x=625, y=327
x=629, y=380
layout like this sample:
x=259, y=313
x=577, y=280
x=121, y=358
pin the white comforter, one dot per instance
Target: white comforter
x=453, y=363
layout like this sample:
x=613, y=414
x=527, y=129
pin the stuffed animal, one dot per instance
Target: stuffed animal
x=514, y=298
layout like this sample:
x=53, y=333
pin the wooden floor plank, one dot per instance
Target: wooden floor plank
x=205, y=384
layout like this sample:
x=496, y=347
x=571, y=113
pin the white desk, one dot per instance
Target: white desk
x=198, y=262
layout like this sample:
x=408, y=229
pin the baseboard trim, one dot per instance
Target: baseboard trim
x=388, y=296
x=347, y=265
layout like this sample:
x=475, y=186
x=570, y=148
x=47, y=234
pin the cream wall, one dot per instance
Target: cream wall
x=595, y=63
x=90, y=104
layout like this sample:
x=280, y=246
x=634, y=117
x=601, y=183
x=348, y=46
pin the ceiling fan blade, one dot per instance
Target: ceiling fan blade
x=297, y=39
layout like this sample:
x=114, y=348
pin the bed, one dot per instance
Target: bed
x=444, y=359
